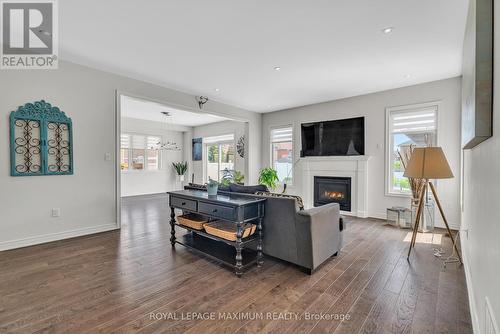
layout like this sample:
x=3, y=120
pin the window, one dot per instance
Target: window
x=220, y=155
x=138, y=152
x=410, y=126
x=282, y=153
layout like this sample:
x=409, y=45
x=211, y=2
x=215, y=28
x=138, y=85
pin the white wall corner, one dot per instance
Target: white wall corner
x=490, y=321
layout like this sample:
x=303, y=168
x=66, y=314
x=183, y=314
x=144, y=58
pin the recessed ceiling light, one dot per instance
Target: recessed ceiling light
x=388, y=30
x=277, y=68
x=407, y=76
x=217, y=89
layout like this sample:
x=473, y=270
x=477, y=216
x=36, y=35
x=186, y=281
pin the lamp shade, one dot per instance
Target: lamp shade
x=428, y=163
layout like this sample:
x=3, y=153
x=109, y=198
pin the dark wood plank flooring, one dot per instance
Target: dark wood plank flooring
x=132, y=281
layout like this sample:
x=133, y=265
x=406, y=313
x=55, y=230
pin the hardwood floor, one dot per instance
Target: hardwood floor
x=132, y=281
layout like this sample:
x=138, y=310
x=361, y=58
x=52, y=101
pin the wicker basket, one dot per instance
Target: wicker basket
x=227, y=230
x=193, y=221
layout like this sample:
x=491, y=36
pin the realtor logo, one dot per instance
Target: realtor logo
x=29, y=34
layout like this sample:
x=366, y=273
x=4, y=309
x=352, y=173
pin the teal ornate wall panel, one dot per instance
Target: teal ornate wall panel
x=41, y=140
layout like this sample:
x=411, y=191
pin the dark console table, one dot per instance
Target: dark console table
x=238, y=209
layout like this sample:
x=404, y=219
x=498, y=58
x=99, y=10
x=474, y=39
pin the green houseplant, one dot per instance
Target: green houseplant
x=181, y=169
x=238, y=177
x=231, y=176
x=269, y=177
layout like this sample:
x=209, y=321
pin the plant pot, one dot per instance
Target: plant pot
x=212, y=189
x=181, y=178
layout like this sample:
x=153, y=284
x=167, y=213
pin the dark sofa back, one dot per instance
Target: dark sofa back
x=280, y=235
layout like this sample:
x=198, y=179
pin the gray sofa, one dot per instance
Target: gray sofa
x=306, y=238
x=303, y=237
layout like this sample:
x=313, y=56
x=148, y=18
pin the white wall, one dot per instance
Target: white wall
x=141, y=182
x=372, y=106
x=217, y=129
x=480, y=220
x=87, y=198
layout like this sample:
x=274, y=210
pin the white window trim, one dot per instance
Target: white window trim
x=145, y=170
x=276, y=127
x=217, y=142
x=388, y=140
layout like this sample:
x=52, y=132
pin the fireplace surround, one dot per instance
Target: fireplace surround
x=355, y=167
x=332, y=189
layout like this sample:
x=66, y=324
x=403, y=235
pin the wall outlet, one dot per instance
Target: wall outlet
x=107, y=156
x=56, y=212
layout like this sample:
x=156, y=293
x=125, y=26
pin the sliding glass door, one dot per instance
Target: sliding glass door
x=220, y=156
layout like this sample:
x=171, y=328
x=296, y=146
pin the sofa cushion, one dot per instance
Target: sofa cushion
x=298, y=199
x=236, y=188
x=224, y=188
x=204, y=187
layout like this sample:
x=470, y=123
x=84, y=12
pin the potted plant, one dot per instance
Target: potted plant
x=212, y=187
x=181, y=169
x=232, y=176
x=269, y=177
x=238, y=177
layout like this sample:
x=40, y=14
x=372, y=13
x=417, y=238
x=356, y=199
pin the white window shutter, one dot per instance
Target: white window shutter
x=125, y=141
x=281, y=135
x=423, y=120
x=138, y=142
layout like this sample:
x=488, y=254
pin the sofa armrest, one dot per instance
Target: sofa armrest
x=318, y=234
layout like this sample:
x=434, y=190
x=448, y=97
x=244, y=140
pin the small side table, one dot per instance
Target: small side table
x=399, y=217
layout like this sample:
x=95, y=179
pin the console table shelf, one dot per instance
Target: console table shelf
x=244, y=241
x=217, y=250
x=238, y=209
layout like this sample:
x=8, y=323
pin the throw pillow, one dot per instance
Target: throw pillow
x=298, y=199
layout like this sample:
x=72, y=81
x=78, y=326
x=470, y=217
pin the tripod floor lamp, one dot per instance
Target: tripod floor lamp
x=429, y=163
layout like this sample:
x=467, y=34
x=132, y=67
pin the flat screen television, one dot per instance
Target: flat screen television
x=330, y=138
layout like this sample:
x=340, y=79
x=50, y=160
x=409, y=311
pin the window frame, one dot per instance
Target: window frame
x=218, y=143
x=389, y=140
x=130, y=149
x=271, y=142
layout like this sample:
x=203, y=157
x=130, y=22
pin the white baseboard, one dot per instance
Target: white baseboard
x=383, y=215
x=470, y=292
x=41, y=239
x=378, y=215
x=362, y=214
x=144, y=195
x=490, y=322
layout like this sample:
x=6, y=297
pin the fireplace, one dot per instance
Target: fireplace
x=328, y=189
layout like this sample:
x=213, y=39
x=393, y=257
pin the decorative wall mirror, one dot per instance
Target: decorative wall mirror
x=41, y=141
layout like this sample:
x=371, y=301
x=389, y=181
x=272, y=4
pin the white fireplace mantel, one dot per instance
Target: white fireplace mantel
x=355, y=167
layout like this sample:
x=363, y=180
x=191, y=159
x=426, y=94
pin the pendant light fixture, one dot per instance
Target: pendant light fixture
x=167, y=145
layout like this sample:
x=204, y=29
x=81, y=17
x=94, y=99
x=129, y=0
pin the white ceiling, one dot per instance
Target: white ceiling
x=327, y=49
x=141, y=109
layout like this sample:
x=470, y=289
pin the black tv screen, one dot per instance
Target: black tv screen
x=340, y=137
